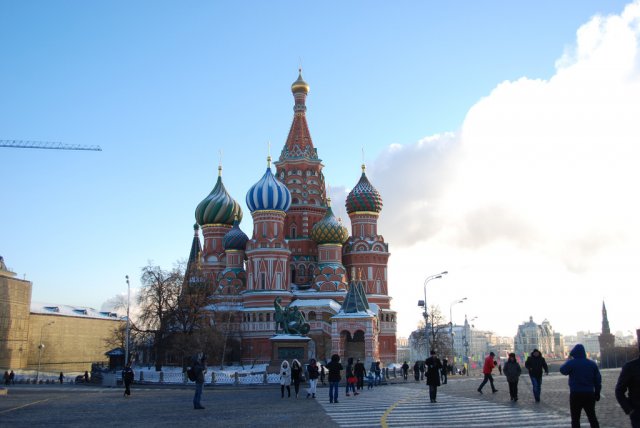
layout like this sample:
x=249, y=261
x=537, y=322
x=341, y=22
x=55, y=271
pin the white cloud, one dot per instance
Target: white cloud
x=532, y=206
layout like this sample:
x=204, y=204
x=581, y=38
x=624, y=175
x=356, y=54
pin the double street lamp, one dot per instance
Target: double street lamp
x=453, y=351
x=423, y=303
x=41, y=347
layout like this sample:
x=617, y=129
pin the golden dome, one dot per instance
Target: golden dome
x=300, y=85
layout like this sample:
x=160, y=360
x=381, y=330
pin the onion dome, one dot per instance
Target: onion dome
x=219, y=207
x=300, y=85
x=235, y=239
x=364, y=197
x=329, y=230
x=268, y=193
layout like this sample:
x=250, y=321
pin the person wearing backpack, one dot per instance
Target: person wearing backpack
x=127, y=378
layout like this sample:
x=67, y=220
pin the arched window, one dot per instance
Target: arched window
x=293, y=231
x=260, y=317
x=301, y=271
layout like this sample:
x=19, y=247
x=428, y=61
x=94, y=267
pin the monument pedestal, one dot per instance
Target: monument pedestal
x=287, y=347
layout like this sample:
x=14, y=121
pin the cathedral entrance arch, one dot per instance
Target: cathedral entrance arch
x=353, y=345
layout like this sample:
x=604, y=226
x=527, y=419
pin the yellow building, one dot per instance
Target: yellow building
x=57, y=338
x=15, y=300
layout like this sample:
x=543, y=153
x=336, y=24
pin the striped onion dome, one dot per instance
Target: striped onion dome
x=235, y=239
x=329, y=230
x=219, y=207
x=364, y=197
x=268, y=193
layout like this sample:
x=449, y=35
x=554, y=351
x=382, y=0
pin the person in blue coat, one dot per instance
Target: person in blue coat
x=585, y=384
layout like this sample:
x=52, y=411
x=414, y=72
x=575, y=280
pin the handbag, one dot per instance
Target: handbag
x=352, y=379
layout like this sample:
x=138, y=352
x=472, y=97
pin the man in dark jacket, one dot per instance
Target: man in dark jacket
x=199, y=369
x=334, y=368
x=629, y=381
x=127, y=378
x=585, y=384
x=433, y=367
x=536, y=364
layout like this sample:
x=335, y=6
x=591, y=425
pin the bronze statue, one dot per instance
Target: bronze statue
x=289, y=319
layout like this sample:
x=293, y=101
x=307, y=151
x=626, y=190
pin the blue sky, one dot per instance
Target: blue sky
x=162, y=87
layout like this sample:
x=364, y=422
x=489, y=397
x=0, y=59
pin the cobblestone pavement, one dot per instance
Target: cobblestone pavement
x=79, y=406
x=399, y=404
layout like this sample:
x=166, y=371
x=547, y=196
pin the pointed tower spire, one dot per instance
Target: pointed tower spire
x=605, y=320
x=299, y=144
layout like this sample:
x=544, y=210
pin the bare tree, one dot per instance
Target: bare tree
x=158, y=300
x=437, y=332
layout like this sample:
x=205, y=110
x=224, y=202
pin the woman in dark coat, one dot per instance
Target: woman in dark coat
x=433, y=366
x=512, y=371
x=296, y=375
x=416, y=371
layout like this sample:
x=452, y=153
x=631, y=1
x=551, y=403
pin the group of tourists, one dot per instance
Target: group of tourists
x=585, y=381
x=355, y=375
x=9, y=378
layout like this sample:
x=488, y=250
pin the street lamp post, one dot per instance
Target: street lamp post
x=41, y=347
x=453, y=352
x=465, y=341
x=424, y=304
x=126, y=345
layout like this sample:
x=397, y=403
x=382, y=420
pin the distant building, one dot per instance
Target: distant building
x=587, y=339
x=535, y=336
x=59, y=337
x=402, y=346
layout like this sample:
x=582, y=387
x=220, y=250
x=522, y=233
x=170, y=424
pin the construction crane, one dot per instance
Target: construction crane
x=47, y=145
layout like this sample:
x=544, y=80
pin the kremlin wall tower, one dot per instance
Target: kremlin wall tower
x=300, y=252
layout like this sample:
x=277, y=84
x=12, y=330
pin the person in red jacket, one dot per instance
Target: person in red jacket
x=489, y=364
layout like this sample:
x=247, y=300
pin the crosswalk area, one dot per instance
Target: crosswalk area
x=399, y=406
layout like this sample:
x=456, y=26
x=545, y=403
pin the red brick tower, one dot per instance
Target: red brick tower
x=366, y=255
x=301, y=171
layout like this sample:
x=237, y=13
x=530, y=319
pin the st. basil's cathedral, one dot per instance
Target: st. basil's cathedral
x=300, y=252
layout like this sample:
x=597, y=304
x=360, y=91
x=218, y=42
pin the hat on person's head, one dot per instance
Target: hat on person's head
x=512, y=355
x=492, y=354
x=433, y=352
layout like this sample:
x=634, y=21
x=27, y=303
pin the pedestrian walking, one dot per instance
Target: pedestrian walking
x=487, y=368
x=61, y=378
x=512, y=371
x=322, y=374
x=334, y=368
x=628, y=391
x=500, y=368
x=585, y=384
x=421, y=370
x=285, y=379
x=536, y=364
x=443, y=371
x=127, y=378
x=405, y=370
x=12, y=377
x=416, y=371
x=370, y=380
x=7, y=379
x=351, y=378
x=378, y=373
x=359, y=370
x=313, y=372
x=296, y=375
x=86, y=376
x=433, y=367
x=199, y=368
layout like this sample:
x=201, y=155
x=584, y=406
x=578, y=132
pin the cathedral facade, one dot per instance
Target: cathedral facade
x=300, y=252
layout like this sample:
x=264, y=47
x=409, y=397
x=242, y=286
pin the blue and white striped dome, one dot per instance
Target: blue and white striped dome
x=268, y=194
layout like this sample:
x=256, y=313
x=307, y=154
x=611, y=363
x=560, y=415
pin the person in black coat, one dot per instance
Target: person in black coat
x=359, y=370
x=433, y=366
x=127, y=379
x=629, y=382
x=405, y=370
x=416, y=371
x=334, y=368
x=443, y=372
x=535, y=364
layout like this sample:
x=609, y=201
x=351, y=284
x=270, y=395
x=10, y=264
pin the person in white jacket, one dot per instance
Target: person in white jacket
x=285, y=379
